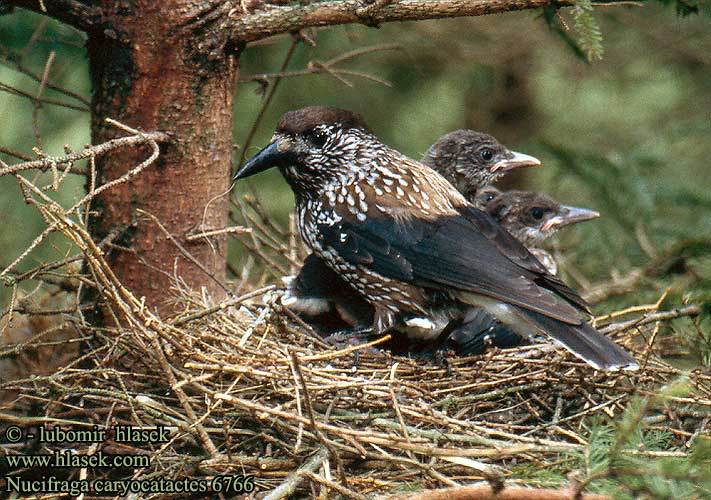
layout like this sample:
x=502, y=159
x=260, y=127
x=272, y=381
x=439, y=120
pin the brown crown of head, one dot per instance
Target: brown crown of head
x=302, y=120
x=513, y=203
x=459, y=145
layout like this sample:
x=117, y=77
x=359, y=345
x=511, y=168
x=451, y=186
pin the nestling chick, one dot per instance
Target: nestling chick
x=471, y=160
x=533, y=217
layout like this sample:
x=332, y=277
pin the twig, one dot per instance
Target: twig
x=312, y=419
x=37, y=103
x=221, y=306
x=634, y=309
x=72, y=12
x=16, y=154
x=335, y=486
x=317, y=67
x=267, y=100
x=45, y=100
x=47, y=162
x=690, y=310
x=16, y=62
x=288, y=487
x=209, y=233
x=195, y=422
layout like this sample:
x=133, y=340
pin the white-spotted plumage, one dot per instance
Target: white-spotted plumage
x=344, y=192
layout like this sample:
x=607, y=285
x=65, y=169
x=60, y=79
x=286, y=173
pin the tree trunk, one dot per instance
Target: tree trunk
x=153, y=70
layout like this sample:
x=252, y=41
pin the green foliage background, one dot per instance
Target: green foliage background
x=628, y=135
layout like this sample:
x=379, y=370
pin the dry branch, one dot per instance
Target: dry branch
x=295, y=478
x=486, y=493
x=274, y=20
x=652, y=317
x=16, y=61
x=270, y=19
x=329, y=67
x=47, y=162
x=51, y=211
x=46, y=100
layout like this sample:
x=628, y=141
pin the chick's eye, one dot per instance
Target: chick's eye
x=486, y=154
x=537, y=212
x=317, y=138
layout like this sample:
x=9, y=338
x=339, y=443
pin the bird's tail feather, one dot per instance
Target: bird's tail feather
x=585, y=342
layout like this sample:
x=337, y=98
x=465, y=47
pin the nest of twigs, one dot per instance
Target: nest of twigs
x=245, y=388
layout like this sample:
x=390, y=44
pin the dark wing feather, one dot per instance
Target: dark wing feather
x=367, y=248
x=514, y=250
x=317, y=280
x=449, y=253
x=587, y=343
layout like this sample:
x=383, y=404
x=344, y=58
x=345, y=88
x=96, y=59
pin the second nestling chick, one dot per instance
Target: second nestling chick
x=469, y=160
x=532, y=217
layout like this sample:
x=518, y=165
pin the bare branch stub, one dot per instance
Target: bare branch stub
x=276, y=20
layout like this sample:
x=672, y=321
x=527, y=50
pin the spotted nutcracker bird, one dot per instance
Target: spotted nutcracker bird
x=407, y=241
x=531, y=218
x=469, y=160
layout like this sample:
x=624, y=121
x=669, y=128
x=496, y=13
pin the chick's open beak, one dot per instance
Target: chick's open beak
x=518, y=160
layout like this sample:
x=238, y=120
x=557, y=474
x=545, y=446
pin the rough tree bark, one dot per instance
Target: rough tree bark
x=150, y=72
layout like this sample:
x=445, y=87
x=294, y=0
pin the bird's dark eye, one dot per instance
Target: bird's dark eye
x=537, y=212
x=486, y=154
x=489, y=196
x=318, y=138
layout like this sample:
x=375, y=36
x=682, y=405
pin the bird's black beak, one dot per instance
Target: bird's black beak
x=517, y=160
x=274, y=155
x=570, y=215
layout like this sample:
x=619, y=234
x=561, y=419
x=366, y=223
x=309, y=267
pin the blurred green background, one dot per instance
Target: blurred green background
x=627, y=135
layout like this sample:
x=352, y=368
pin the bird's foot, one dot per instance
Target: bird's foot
x=359, y=333
x=353, y=336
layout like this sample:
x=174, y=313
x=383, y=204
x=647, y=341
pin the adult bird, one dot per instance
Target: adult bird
x=469, y=160
x=407, y=241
